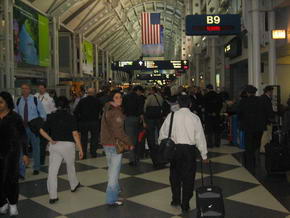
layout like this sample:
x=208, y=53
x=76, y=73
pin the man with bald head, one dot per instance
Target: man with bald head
x=87, y=114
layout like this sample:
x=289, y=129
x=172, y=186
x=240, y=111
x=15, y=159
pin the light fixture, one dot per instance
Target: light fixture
x=279, y=34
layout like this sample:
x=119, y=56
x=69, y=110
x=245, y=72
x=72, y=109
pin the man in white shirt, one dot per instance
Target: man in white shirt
x=188, y=134
x=49, y=107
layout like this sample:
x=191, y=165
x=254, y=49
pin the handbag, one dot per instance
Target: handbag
x=167, y=146
x=154, y=112
x=121, y=147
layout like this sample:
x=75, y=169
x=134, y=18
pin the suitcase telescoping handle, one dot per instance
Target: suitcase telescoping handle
x=210, y=172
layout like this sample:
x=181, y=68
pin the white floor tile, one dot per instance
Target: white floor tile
x=226, y=149
x=240, y=174
x=70, y=202
x=260, y=197
x=93, y=177
x=226, y=159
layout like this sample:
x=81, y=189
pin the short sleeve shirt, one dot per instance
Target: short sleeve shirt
x=60, y=126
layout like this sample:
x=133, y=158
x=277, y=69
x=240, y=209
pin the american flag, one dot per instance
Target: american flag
x=151, y=29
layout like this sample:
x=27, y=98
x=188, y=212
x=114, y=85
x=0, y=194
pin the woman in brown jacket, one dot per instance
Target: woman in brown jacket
x=112, y=129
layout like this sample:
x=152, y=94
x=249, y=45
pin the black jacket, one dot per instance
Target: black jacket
x=88, y=109
x=12, y=135
x=213, y=103
x=268, y=108
x=252, y=115
x=133, y=105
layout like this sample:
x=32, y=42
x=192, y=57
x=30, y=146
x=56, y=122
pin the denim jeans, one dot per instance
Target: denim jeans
x=34, y=140
x=114, y=161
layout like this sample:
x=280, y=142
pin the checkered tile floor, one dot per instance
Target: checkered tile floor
x=147, y=191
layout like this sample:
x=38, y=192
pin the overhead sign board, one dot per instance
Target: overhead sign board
x=151, y=65
x=213, y=24
x=158, y=76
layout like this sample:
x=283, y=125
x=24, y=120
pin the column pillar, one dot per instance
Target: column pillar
x=96, y=61
x=9, y=45
x=104, y=73
x=256, y=44
x=213, y=62
x=108, y=74
x=74, y=56
x=223, y=63
x=272, y=50
x=197, y=69
x=55, y=54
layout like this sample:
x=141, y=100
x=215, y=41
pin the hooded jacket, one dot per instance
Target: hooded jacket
x=112, y=127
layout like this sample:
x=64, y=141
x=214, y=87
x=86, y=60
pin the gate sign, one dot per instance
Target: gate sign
x=213, y=24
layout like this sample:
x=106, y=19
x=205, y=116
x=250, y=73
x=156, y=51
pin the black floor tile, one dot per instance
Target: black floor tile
x=230, y=187
x=129, y=210
x=211, y=154
x=235, y=209
x=133, y=186
x=37, y=188
x=30, y=209
x=216, y=167
x=139, y=169
x=62, y=170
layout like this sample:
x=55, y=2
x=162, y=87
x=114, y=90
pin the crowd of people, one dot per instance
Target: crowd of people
x=33, y=124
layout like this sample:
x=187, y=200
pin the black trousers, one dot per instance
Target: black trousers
x=182, y=174
x=213, y=130
x=252, y=146
x=85, y=128
x=43, y=145
x=153, y=127
x=9, y=172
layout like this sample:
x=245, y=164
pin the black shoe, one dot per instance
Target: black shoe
x=93, y=155
x=185, y=209
x=35, y=172
x=132, y=163
x=52, y=201
x=175, y=203
x=76, y=188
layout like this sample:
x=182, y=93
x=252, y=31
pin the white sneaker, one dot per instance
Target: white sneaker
x=4, y=209
x=13, y=210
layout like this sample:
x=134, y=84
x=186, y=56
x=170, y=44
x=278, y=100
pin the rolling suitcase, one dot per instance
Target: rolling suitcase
x=209, y=199
x=277, y=154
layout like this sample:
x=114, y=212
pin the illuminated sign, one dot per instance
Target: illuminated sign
x=152, y=77
x=151, y=65
x=223, y=24
x=233, y=48
x=279, y=34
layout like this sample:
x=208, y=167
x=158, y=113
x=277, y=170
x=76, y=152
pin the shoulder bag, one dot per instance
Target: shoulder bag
x=167, y=146
x=154, y=112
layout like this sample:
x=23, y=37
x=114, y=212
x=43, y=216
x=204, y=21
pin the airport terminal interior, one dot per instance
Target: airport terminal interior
x=184, y=45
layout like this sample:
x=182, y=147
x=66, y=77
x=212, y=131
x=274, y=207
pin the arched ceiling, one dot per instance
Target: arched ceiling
x=115, y=25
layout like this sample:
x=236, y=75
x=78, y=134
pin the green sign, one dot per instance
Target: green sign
x=31, y=36
x=88, y=58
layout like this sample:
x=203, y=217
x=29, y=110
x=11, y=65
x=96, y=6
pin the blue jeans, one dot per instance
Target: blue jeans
x=114, y=161
x=35, y=143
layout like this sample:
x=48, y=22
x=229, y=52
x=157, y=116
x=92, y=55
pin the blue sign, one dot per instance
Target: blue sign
x=213, y=24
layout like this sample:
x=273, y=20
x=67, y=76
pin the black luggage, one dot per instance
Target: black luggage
x=277, y=153
x=209, y=199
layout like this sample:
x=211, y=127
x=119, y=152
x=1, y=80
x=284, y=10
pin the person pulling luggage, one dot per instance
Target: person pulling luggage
x=188, y=134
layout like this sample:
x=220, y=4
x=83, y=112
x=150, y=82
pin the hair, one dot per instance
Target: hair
x=209, y=86
x=138, y=88
x=113, y=93
x=154, y=89
x=26, y=84
x=268, y=89
x=62, y=102
x=183, y=100
x=42, y=84
x=8, y=99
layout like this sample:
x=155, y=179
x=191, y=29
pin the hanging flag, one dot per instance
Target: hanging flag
x=151, y=29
